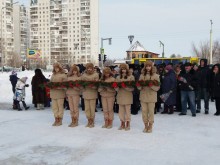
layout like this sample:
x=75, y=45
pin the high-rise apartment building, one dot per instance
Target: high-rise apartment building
x=65, y=30
x=21, y=21
x=6, y=28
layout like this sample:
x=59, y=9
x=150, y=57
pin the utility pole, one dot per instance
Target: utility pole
x=161, y=43
x=102, y=52
x=210, y=60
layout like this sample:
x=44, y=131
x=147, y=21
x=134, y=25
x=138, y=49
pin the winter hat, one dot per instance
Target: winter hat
x=75, y=68
x=24, y=79
x=148, y=63
x=106, y=70
x=14, y=72
x=89, y=65
x=57, y=64
x=124, y=66
x=168, y=67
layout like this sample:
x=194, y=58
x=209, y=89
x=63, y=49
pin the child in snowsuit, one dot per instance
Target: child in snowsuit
x=20, y=93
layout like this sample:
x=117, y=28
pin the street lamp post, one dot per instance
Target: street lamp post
x=130, y=38
x=102, y=49
x=2, y=56
x=210, y=43
x=161, y=43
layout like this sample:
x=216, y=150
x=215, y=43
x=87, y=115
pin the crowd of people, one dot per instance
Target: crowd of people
x=181, y=87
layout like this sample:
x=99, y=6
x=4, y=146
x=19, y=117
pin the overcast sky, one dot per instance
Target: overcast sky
x=177, y=23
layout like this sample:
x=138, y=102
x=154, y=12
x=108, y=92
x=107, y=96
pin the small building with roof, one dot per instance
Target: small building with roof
x=137, y=50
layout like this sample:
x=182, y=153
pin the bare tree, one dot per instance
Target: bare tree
x=15, y=60
x=203, y=50
x=178, y=56
x=216, y=52
x=172, y=56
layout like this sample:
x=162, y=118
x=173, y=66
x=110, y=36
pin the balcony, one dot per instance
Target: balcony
x=34, y=41
x=85, y=22
x=55, y=49
x=56, y=45
x=35, y=45
x=64, y=45
x=55, y=15
x=55, y=24
x=55, y=33
x=65, y=36
x=34, y=25
x=34, y=37
x=34, y=34
x=23, y=34
x=64, y=19
x=55, y=7
x=33, y=12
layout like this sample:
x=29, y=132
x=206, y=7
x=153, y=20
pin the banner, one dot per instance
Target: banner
x=34, y=54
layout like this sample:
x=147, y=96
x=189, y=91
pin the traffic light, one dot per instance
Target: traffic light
x=105, y=58
x=100, y=57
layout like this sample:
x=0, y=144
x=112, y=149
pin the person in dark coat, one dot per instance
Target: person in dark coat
x=188, y=84
x=169, y=85
x=161, y=72
x=197, y=97
x=116, y=74
x=215, y=87
x=177, y=70
x=38, y=93
x=204, y=76
x=13, y=79
x=98, y=100
x=135, y=106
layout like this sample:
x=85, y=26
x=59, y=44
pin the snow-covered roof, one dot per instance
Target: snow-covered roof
x=120, y=62
x=136, y=47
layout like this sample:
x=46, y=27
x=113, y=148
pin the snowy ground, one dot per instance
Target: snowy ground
x=27, y=138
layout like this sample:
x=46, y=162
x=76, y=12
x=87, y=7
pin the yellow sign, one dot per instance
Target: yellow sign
x=34, y=53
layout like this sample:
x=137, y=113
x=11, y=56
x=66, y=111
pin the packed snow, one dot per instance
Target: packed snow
x=27, y=137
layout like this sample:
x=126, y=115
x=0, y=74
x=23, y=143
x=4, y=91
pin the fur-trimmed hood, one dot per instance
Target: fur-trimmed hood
x=149, y=63
x=74, y=68
x=205, y=62
x=58, y=65
x=89, y=65
x=124, y=66
x=107, y=70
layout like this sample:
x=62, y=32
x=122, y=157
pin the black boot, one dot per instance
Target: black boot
x=171, y=110
x=25, y=106
x=217, y=113
x=18, y=106
x=15, y=105
x=165, y=111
